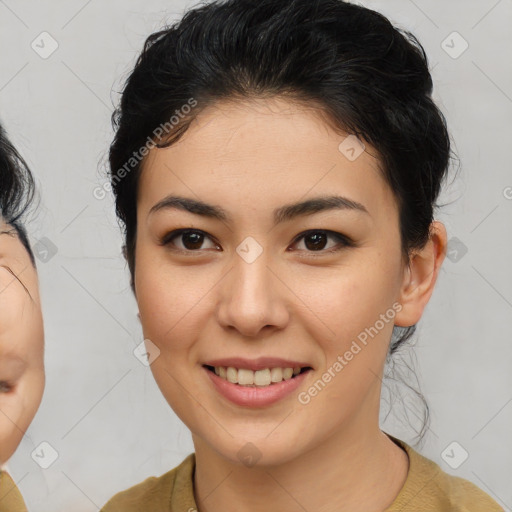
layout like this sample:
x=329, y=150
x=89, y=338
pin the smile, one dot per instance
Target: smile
x=262, y=392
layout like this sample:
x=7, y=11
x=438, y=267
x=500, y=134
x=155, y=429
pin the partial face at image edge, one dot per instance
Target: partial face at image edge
x=22, y=376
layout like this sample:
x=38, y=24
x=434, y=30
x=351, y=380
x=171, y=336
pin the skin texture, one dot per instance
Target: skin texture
x=293, y=301
x=21, y=342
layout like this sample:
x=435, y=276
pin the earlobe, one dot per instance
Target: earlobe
x=420, y=277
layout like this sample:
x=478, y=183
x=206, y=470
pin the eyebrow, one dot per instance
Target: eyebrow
x=282, y=214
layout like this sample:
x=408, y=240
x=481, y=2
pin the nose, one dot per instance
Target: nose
x=253, y=296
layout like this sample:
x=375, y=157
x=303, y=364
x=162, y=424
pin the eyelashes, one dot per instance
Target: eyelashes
x=343, y=241
x=197, y=236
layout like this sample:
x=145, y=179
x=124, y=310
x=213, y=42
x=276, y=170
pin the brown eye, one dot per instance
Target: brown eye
x=191, y=239
x=316, y=240
x=5, y=387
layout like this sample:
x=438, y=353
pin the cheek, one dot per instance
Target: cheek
x=355, y=319
x=169, y=299
x=18, y=408
x=346, y=300
x=31, y=340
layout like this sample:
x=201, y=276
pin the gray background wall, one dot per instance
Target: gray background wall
x=102, y=413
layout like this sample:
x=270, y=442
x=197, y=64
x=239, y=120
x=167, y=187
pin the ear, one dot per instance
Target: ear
x=420, y=277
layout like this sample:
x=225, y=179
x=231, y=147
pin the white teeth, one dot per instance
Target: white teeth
x=261, y=377
x=246, y=377
x=287, y=373
x=276, y=374
x=232, y=374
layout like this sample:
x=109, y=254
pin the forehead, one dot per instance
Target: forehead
x=263, y=149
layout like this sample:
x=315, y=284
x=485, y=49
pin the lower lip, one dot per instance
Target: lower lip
x=255, y=396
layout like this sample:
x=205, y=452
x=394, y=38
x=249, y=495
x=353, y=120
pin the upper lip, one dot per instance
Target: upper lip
x=256, y=364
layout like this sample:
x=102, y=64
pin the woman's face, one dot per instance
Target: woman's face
x=21, y=341
x=251, y=286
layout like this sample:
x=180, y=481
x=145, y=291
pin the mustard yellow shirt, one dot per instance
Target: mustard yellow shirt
x=10, y=497
x=427, y=489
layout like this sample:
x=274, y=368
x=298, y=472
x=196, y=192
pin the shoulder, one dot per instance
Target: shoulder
x=10, y=498
x=154, y=493
x=428, y=487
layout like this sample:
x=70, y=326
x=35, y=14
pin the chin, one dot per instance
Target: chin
x=254, y=451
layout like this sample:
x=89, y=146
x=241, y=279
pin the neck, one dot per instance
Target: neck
x=357, y=469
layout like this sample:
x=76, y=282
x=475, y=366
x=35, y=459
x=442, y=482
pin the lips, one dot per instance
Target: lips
x=255, y=396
